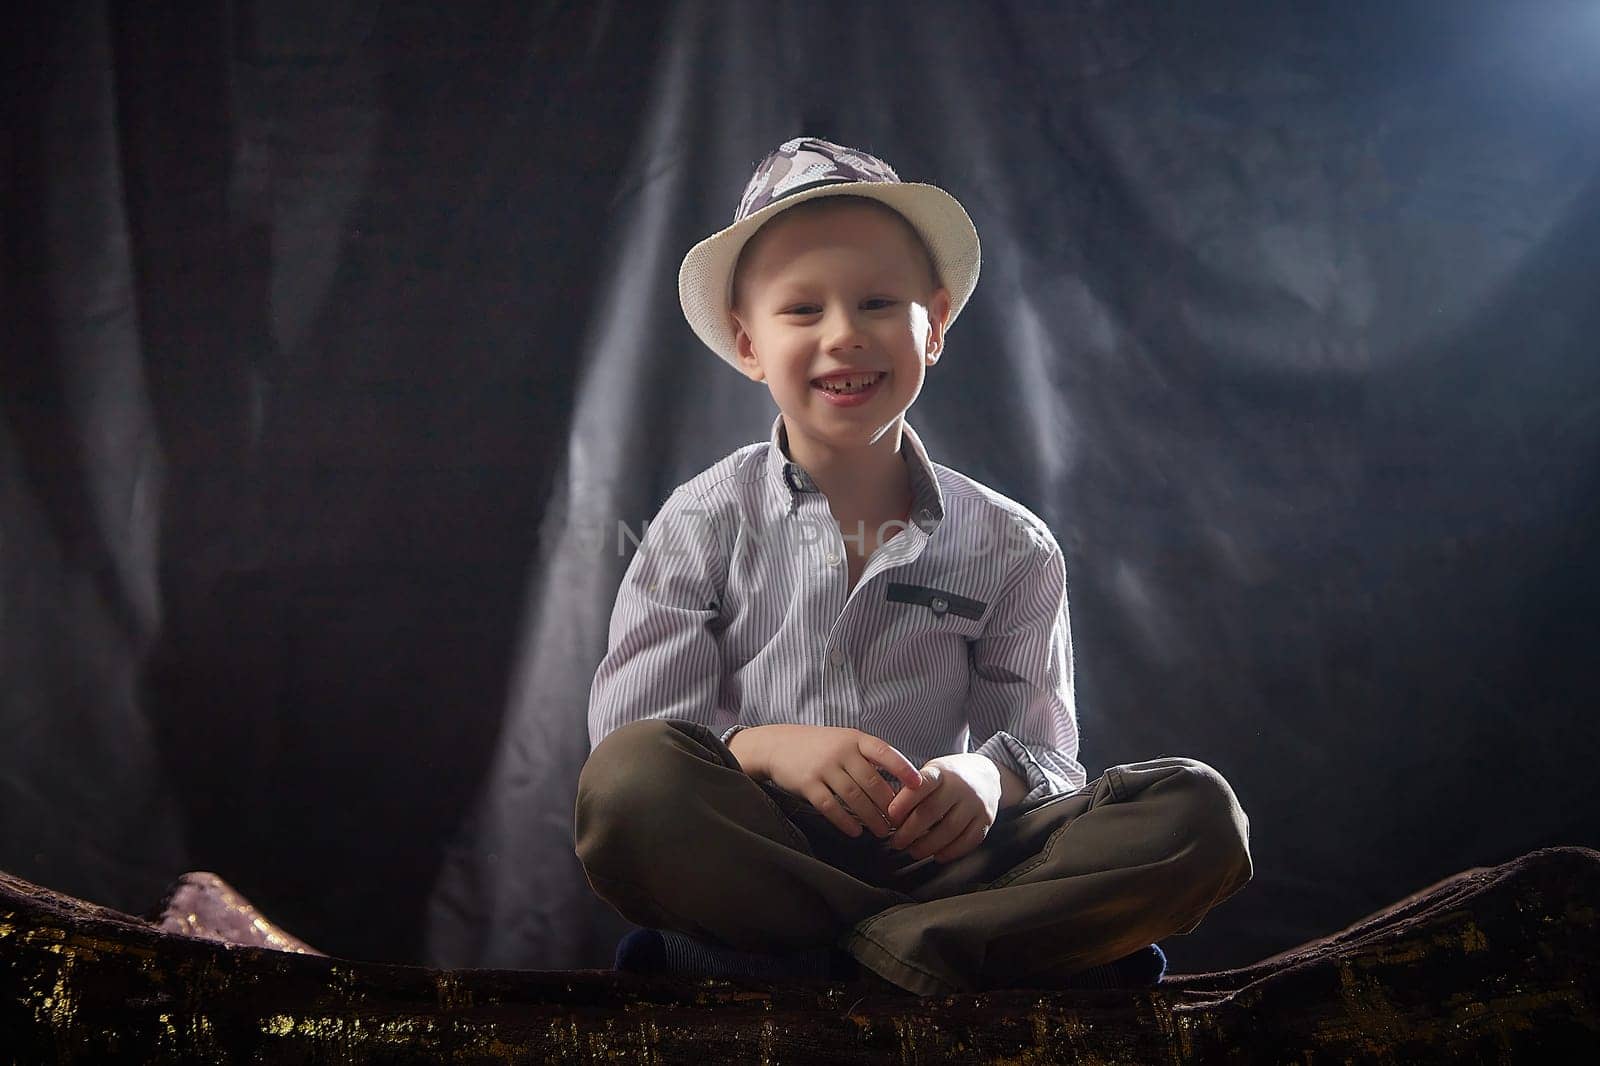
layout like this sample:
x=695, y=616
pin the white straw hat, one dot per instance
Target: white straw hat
x=804, y=169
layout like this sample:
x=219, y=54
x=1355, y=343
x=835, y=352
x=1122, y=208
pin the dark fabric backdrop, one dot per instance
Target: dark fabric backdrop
x=340, y=337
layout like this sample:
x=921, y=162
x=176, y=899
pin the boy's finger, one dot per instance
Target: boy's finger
x=916, y=824
x=908, y=799
x=882, y=753
x=968, y=841
x=877, y=790
x=920, y=821
x=942, y=835
x=827, y=804
x=860, y=804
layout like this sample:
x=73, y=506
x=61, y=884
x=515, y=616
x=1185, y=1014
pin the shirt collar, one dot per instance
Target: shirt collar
x=789, y=479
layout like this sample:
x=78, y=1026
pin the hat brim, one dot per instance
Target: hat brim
x=705, y=279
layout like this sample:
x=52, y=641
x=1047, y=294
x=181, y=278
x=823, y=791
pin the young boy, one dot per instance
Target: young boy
x=834, y=726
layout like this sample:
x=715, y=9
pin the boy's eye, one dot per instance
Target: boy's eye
x=872, y=304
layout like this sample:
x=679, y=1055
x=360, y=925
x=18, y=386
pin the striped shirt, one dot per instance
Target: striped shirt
x=735, y=611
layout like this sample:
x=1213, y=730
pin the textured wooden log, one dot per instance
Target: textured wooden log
x=1491, y=965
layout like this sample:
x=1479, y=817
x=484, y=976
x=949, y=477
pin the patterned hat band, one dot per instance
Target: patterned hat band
x=803, y=169
x=805, y=163
x=807, y=187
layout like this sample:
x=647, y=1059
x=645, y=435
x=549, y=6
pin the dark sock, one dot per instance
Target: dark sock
x=1142, y=969
x=641, y=951
x=663, y=951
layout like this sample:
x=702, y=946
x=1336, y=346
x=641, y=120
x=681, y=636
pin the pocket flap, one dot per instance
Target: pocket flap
x=936, y=600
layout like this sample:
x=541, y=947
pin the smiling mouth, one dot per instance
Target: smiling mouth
x=846, y=384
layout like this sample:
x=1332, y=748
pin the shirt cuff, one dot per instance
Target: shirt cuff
x=1006, y=750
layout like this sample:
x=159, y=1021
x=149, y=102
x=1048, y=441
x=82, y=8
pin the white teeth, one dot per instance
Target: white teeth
x=853, y=383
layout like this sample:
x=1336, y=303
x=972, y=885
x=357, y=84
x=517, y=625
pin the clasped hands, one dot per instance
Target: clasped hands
x=945, y=809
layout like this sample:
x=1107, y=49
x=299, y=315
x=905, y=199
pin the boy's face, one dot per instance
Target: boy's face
x=841, y=288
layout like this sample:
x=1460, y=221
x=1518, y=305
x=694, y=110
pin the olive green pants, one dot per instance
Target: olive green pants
x=674, y=835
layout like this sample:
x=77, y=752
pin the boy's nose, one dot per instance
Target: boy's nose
x=844, y=333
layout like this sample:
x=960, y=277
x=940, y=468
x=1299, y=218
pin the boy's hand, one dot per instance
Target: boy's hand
x=836, y=770
x=951, y=813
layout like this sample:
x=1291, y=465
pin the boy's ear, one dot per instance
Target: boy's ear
x=938, y=316
x=748, y=363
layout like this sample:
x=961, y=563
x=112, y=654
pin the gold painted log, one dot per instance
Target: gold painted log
x=1492, y=965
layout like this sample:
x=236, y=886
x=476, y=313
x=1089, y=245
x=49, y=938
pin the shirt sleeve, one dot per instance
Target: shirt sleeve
x=1021, y=709
x=662, y=657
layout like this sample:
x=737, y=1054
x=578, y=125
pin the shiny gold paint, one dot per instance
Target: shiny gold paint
x=67, y=967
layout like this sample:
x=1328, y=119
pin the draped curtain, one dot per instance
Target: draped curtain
x=342, y=346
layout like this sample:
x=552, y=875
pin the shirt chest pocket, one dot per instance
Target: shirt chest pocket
x=938, y=608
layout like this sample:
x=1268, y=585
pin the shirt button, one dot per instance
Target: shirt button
x=833, y=559
x=836, y=656
x=939, y=604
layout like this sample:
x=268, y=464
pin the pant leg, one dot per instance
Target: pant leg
x=673, y=834
x=1072, y=882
